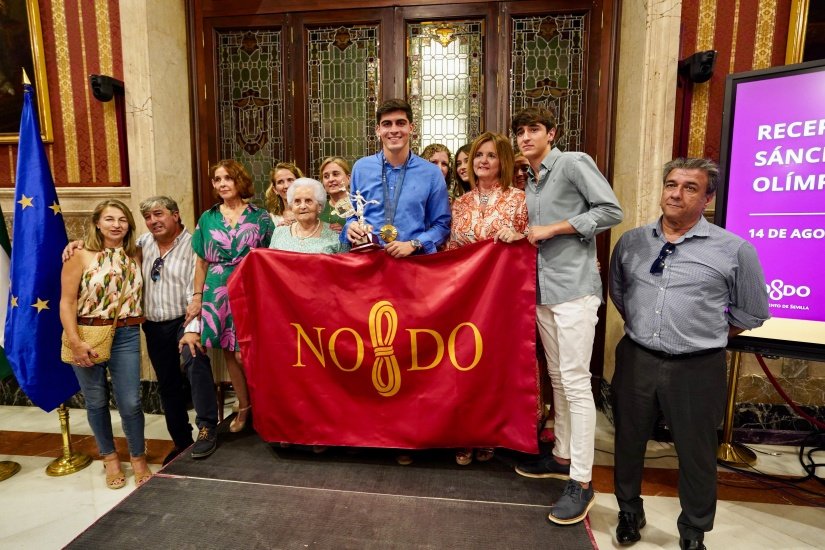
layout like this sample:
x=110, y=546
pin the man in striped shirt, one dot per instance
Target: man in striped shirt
x=704, y=285
x=168, y=276
x=168, y=269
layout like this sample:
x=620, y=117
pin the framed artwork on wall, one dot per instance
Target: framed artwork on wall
x=21, y=48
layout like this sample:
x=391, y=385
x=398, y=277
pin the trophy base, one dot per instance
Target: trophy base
x=370, y=243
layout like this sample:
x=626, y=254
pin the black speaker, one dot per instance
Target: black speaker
x=105, y=87
x=698, y=67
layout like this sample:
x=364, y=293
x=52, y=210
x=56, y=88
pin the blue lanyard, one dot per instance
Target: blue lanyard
x=390, y=206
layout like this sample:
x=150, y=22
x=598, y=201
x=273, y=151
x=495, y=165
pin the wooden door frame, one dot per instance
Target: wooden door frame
x=602, y=39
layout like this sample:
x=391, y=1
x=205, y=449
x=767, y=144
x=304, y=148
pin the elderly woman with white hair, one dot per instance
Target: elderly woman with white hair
x=306, y=199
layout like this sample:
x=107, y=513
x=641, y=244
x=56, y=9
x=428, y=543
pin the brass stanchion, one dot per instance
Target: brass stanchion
x=70, y=462
x=8, y=469
x=729, y=452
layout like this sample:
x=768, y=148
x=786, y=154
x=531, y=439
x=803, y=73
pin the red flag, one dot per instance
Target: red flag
x=367, y=350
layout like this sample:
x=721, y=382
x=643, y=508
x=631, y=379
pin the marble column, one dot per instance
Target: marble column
x=158, y=102
x=645, y=107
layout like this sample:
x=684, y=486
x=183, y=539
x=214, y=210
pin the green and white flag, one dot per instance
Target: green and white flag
x=5, y=255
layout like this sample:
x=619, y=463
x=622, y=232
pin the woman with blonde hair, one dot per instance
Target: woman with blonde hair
x=335, y=175
x=280, y=178
x=101, y=285
x=440, y=155
x=223, y=237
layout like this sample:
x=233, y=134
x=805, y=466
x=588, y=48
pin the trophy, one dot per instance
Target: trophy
x=370, y=241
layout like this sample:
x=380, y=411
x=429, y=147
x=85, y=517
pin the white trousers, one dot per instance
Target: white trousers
x=567, y=331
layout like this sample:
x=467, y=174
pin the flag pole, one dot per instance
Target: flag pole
x=70, y=462
x=7, y=467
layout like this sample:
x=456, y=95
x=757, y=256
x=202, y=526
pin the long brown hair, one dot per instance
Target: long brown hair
x=93, y=240
x=272, y=201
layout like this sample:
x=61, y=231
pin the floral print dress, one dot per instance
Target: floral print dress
x=223, y=247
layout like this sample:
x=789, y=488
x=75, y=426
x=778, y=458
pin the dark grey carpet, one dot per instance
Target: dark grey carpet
x=249, y=495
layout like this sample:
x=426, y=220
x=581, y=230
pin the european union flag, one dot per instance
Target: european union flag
x=33, y=326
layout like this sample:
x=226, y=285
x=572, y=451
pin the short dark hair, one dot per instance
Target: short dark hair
x=391, y=105
x=534, y=115
x=710, y=168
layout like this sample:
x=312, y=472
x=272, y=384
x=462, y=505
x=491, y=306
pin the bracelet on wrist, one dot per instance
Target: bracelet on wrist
x=197, y=294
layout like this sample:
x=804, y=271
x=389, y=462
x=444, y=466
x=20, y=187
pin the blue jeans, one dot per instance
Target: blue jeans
x=124, y=368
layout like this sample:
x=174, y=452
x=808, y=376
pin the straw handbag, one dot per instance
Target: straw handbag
x=98, y=337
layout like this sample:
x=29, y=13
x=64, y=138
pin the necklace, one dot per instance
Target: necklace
x=231, y=214
x=310, y=234
x=484, y=198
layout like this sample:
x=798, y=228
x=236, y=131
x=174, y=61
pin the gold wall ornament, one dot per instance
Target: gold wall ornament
x=70, y=462
x=382, y=326
x=443, y=34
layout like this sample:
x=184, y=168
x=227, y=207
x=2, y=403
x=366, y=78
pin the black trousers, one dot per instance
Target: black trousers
x=162, y=344
x=691, y=393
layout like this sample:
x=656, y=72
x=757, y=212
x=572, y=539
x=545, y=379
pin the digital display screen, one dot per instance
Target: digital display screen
x=773, y=163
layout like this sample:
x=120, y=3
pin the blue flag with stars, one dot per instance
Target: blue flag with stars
x=33, y=326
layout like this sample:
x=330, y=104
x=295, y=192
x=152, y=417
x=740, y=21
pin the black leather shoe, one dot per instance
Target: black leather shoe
x=628, y=530
x=691, y=544
x=172, y=455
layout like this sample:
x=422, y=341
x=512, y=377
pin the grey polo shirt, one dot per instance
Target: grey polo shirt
x=570, y=187
x=712, y=279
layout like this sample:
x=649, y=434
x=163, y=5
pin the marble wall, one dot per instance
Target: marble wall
x=653, y=37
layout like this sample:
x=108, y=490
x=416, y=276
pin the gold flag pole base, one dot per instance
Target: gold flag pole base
x=8, y=469
x=734, y=454
x=728, y=452
x=70, y=462
x=64, y=465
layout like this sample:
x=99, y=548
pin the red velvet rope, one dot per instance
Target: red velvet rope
x=796, y=408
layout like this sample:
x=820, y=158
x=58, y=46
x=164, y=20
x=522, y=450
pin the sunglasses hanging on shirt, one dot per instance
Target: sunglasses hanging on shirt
x=155, y=274
x=659, y=263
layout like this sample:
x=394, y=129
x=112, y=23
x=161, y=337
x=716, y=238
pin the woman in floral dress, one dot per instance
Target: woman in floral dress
x=224, y=235
x=493, y=209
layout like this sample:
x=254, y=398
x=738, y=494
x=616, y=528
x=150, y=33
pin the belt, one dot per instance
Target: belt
x=98, y=322
x=676, y=356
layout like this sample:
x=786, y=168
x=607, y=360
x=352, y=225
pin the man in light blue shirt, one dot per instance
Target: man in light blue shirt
x=568, y=203
x=407, y=205
x=682, y=286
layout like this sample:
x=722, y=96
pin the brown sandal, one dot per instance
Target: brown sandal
x=116, y=480
x=484, y=454
x=141, y=477
x=464, y=457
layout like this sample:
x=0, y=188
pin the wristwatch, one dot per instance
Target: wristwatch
x=416, y=244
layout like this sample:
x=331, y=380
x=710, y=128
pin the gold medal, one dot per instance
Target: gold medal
x=388, y=233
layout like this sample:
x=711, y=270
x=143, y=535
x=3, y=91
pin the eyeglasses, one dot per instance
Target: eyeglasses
x=659, y=263
x=156, y=269
x=524, y=169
